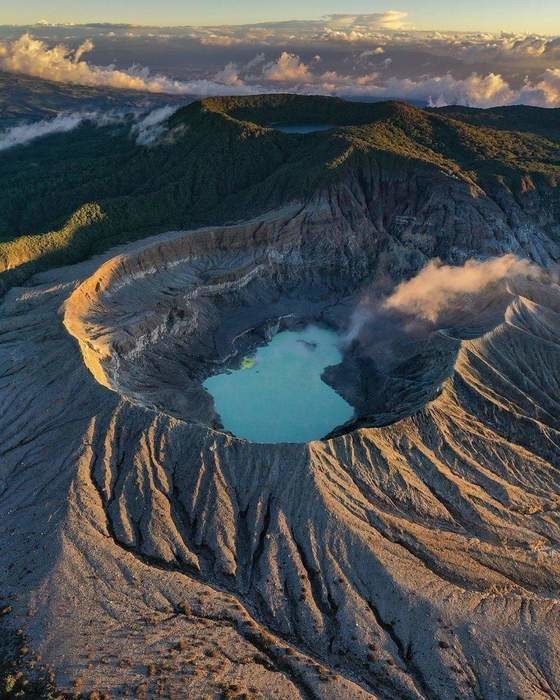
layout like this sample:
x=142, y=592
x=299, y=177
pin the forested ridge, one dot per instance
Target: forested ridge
x=70, y=195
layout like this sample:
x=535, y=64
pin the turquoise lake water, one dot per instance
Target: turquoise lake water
x=302, y=128
x=279, y=395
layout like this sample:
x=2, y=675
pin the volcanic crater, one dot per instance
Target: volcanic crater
x=412, y=555
x=154, y=323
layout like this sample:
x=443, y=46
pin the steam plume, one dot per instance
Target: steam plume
x=438, y=287
x=439, y=296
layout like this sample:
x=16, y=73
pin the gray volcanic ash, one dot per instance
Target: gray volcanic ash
x=401, y=561
x=414, y=554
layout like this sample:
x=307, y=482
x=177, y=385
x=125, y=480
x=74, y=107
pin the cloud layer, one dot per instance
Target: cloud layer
x=33, y=57
x=376, y=55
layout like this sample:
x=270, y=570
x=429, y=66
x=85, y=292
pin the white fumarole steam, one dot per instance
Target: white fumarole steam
x=437, y=287
x=437, y=291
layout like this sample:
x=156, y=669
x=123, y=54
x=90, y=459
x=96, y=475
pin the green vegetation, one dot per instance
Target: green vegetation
x=248, y=362
x=521, y=118
x=71, y=195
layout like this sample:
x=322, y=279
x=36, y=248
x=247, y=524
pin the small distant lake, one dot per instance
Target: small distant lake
x=302, y=128
x=278, y=395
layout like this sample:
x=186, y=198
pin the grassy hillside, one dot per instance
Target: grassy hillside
x=71, y=195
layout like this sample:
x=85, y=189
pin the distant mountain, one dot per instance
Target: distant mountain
x=538, y=120
x=23, y=97
x=220, y=160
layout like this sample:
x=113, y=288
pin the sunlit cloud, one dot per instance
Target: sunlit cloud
x=374, y=21
x=375, y=56
x=32, y=56
x=287, y=68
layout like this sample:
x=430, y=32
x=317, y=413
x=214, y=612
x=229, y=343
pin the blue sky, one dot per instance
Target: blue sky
x=492, y=15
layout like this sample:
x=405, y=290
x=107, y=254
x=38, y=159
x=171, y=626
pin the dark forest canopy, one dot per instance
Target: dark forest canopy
x=67, y=196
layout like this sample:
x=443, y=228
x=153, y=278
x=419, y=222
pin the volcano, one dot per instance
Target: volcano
x=410, y=553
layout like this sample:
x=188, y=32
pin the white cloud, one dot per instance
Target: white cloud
x=476, y=90
x=372, y=52
x=256, y=61
x=33, y=57
x=287, y=68
x=373, y=21
x=545, y=93
x=229, y=75
x=476, y=69
x=151, y=127
x=26, y=133
x=214, y=39
x=147, y=128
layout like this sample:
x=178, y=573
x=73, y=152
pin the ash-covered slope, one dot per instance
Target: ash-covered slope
x=146, y=552
x=143, y=550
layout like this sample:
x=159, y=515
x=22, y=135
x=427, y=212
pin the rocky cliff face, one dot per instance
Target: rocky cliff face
x=181, y=307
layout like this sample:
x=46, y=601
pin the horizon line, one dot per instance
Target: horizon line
x=389, y=30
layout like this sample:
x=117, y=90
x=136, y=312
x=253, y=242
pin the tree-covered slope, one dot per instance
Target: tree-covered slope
x=68, y=196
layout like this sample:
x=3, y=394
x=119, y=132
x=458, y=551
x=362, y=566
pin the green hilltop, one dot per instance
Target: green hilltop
x=70, y=195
